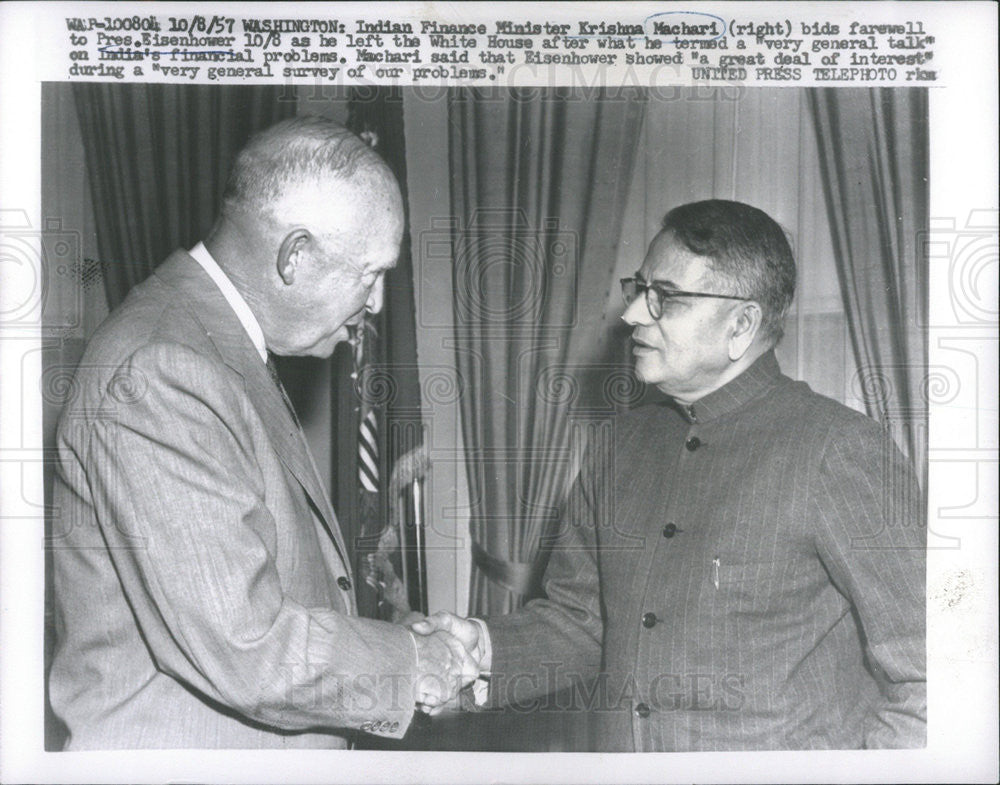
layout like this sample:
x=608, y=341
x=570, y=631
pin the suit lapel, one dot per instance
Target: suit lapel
x=225, y=330
x=290, y=445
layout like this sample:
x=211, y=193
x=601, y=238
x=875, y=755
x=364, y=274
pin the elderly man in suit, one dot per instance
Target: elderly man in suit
x=751, y=573
x=202, y=588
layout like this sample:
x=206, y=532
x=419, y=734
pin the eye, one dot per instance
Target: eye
x=667, y=297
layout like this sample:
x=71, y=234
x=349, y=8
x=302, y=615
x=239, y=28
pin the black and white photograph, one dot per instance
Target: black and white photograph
x=435, y=422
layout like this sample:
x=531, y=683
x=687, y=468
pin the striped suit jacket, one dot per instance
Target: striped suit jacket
x=746, y=573
x=202, y=590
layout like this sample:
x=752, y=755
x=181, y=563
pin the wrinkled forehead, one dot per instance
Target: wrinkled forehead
x=669, y=260
x=377, y=231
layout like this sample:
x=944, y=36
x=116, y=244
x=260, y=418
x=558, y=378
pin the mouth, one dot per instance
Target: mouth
x=353, y=328
x=639, y=345
x=356, y=322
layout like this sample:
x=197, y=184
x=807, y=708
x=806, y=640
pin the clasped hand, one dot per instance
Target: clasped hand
x=448, y=659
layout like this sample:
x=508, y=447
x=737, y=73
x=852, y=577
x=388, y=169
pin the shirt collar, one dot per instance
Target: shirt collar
x=201, y=255
x=755, y=380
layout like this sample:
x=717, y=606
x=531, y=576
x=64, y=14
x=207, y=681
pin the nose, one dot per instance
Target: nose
x=376, y=296
x=637, y=313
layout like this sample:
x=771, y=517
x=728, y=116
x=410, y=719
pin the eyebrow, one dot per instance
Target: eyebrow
x=664, y=282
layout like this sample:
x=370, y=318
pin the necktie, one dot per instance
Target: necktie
x=272, y=368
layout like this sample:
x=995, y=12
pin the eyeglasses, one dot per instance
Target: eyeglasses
x=658, y=294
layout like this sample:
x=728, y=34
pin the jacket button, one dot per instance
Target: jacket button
x=344, y=583
x=649, y=619
x=693, y=443
x=642, y=710
x=670, y=530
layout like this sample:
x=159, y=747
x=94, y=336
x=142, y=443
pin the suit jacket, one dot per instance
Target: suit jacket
x=745, y=573
x=202, y=590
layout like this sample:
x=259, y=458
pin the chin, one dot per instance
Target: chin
x=327, y=349
x=324, y=348
x=644, y=373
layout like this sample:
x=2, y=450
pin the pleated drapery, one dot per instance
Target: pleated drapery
x=538, y=186
x=873, y=147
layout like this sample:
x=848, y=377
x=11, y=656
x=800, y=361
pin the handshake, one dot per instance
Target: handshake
x=450, y=652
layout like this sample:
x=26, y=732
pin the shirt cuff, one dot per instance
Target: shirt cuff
x=416, y=663
x=484, y=650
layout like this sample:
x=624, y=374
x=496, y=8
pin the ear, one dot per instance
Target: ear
x=291, y=254
x=745, y=326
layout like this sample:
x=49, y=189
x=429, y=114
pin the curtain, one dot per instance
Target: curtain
x=873, y=147
x=538, y=186
x=158, y=156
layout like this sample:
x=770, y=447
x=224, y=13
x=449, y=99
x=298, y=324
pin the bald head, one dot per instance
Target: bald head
x=311, y=220
x=296, y=155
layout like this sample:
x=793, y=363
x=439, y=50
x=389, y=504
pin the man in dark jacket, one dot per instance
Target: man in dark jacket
x=751, y=574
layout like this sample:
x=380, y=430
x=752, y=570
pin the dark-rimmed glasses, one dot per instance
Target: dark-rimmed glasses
x=657, y=294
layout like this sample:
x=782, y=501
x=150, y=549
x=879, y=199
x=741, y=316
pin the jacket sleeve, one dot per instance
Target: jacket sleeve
x=871, y=539
x=179, y=498
x=555, y=643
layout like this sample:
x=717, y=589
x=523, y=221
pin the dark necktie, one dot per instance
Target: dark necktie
x=272, y=368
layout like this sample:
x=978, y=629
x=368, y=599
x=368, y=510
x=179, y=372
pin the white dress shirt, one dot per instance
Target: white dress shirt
x=480, y=687
x=201, y=255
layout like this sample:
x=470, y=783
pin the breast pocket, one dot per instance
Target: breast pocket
x=757, y=587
